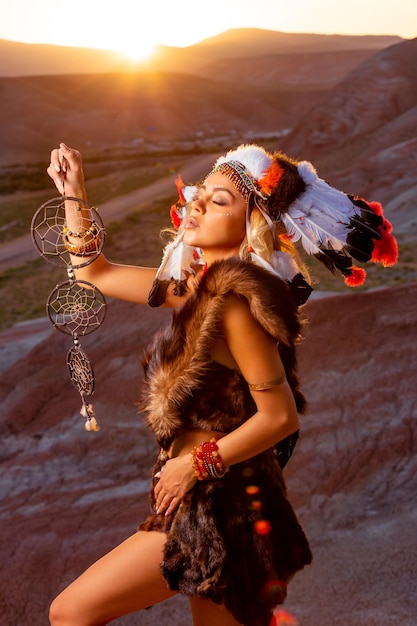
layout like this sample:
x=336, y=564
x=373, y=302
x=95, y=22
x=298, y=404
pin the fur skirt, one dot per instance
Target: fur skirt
x=235, y=540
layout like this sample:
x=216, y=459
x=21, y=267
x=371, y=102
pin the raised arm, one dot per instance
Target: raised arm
x=118, y=281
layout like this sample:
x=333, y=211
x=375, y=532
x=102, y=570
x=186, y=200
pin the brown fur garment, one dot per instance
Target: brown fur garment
x=213, y=549
x=179, y=359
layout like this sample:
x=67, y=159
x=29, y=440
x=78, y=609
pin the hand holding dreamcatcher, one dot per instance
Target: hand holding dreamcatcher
x=75, y=307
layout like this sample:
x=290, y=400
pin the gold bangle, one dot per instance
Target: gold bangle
x=268, y=385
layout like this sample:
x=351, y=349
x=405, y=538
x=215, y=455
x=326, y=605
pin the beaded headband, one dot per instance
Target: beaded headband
x=239, y=175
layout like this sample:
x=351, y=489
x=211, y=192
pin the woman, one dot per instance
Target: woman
x=221, y=390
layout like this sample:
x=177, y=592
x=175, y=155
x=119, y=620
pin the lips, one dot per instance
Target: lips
x=191, y=223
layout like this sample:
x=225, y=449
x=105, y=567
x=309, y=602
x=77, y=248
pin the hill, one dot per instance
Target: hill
x=20, y=59
x=369, y=122
x=135, y=128
x=67, y=496
x=181, y=95
x=135, y=110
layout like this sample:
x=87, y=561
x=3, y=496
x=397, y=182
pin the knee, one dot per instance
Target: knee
x=58, y=612
x=66, y=611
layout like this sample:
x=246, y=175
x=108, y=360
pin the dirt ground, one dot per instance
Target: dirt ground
x=68, y=496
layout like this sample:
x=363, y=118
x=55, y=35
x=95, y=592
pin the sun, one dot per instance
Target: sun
x=136, y=50
x=133, y=30
x=124, y=27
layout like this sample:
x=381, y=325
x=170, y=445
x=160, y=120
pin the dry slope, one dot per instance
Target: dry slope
x=68, y=496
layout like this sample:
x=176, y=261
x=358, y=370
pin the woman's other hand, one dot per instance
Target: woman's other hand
x=175, y=479
x=66, y=171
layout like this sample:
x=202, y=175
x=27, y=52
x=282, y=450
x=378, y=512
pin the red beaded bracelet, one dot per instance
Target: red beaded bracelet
x=207, y=462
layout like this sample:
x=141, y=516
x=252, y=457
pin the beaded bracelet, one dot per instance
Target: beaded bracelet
x=91, y=230
x=207, y=462
x=85, y=249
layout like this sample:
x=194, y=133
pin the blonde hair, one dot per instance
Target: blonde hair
x=264, y=242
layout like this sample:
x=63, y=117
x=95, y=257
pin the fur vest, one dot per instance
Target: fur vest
x=180, y=376
x=217, y=547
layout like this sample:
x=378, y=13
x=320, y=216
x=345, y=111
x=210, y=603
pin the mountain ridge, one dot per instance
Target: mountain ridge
x=372, y=133
x=27, y=59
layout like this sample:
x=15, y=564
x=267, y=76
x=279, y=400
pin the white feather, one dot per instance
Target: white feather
x=282, y=264
x=320, y=215
x=176, y=260
x=297, y=231
x=254, y=158
x=189, y=192
x=327, y=232
x=321, y=197
x=307, y=172
x=285, y=264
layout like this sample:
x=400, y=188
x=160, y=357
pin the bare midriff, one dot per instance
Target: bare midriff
x=185, y=442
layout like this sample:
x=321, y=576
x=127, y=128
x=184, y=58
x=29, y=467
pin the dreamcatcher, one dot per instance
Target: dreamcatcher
x=75, y=307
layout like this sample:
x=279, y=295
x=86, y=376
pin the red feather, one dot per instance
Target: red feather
x=175, y=211
x=179, y=185
x=271, y=179
x=376, y=207
x=175, y=218
x=386, y=249
x=356, y=277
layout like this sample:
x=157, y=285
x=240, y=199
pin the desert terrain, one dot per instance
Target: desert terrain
x=68, y=496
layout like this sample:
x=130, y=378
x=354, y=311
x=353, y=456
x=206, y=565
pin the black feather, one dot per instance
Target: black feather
x=335, y=260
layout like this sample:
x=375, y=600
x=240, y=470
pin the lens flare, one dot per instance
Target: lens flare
x=283, y=618
x=262, y=527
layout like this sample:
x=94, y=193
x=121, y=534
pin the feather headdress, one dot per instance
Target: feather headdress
x=331, y=225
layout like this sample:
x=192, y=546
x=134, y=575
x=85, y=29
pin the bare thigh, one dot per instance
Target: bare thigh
x=125, y=580
x=207, y=613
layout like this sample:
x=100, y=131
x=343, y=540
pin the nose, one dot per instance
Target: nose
x=198, y=205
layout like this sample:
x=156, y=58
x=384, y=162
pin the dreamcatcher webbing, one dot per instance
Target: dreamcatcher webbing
x=75, y=307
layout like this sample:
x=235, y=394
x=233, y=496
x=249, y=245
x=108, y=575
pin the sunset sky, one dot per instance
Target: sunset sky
x=133, y=26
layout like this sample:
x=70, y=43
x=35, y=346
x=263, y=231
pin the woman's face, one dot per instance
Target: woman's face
x=216, y=222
